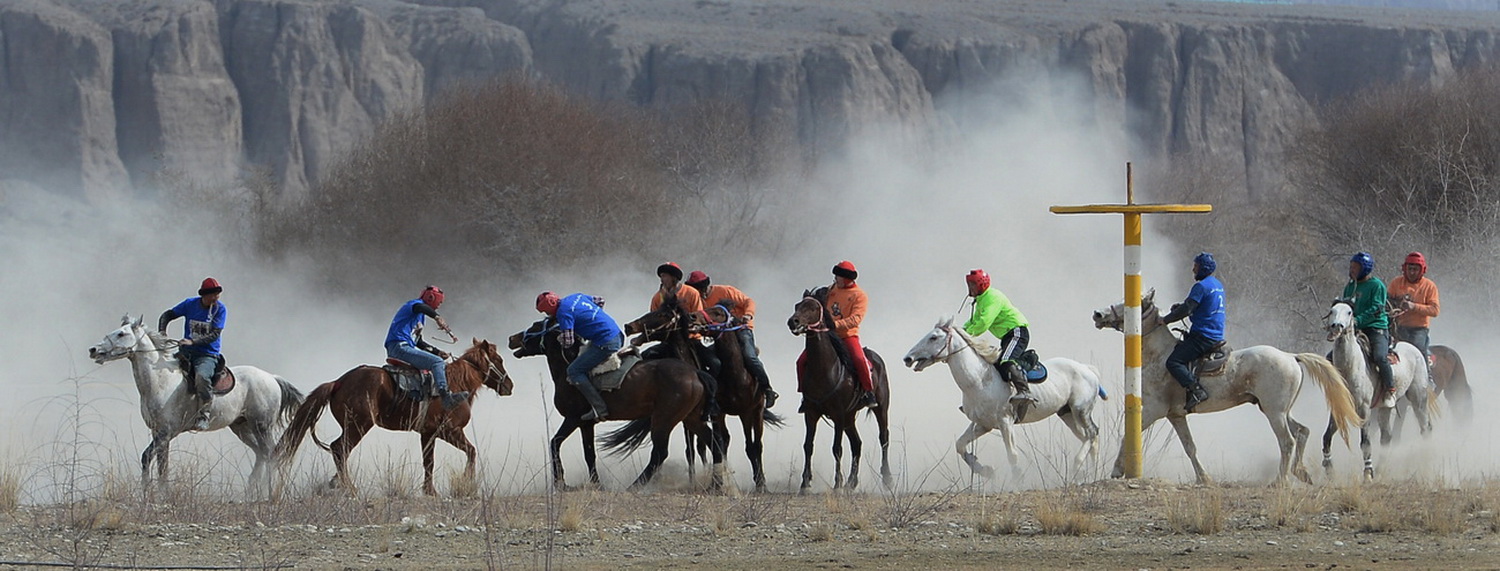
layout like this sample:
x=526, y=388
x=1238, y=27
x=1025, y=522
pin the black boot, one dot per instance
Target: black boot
x=451, y=400
x=867, y=400
x=770, y=395
x=1196, y=396
x=205, y=405
x=600, y=412
x=1021, y=392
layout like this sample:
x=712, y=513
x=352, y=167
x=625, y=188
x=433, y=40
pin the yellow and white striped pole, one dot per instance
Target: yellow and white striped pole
x=1130, y=451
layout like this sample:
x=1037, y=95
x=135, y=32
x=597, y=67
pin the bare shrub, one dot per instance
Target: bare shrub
x=1001, y=516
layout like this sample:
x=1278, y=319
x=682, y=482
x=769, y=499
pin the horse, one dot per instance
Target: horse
x=1263, y=375
x=1070, y=392
x=259, y=403
x=1409, y=376
x=366, y=396
x=655, y=396
x=830, y=389
x=1452, y=382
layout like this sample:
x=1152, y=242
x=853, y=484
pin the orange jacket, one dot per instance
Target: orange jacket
x=847, y=304
x=1424, y=300
x=687, y=299
x=739, y=304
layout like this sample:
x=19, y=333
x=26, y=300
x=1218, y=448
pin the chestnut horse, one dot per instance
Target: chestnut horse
x=1452, y=382
x=655, y=396
x=737, y=393
x=829, y=389
x=366, y=397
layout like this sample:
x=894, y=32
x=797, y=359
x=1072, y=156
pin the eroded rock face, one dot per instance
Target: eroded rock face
x=95, y=94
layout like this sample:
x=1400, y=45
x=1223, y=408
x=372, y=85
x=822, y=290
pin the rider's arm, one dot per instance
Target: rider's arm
x=208, y=338
x=1426, y=309
x=425, y=309
x=985, y=312
x=166, y=317
x=1181, y=310
x=852, y=315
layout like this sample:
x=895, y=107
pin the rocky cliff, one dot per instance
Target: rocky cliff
x=97, y=95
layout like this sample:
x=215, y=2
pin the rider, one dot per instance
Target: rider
x=690, y=302
x=1368, y=298
x=1205, y=303
x=742, y=313
x=404, y=341
x=993, y=312
x=1416, y=300
x=580, y=315
x=846, y=302
x=200, y=341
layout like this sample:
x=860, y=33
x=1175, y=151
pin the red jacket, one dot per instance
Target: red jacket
x=847, y=304
x=739, y=304
x=1424, y=300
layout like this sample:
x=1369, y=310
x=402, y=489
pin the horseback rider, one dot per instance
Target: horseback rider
x=1415, y=298
x=1368, y=297
x=580, y=315
x=404, y=341
x=847, y=303
x=742, y=313
x=199, y=345
x=994, y=312
x=1205, y=303
x=690, y=301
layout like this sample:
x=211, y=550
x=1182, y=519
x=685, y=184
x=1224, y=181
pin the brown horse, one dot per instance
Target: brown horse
x=366, y=397
x=655, y=396
x=829, y=389
x=1452, y=382
x=737, y=392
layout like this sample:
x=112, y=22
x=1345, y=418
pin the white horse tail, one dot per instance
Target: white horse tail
x=291, y=398
x=1340, y=403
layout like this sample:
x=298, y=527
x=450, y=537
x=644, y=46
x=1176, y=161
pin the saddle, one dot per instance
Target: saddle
x=223, y=380
x=1030, y=364
x=611, y=373
x=1391, y=355
x=1212, y=363
x=411, y=381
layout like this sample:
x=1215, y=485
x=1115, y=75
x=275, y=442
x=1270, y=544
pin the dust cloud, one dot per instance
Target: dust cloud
x=914, y=224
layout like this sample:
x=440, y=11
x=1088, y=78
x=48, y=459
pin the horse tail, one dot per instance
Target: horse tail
x=303, y=421
x=1103, y=395
x=1340, y=403
x=772, y=419
x=628, y=438
x=291, y=398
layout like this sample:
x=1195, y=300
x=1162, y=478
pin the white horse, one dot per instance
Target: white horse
x=257, y=408
x=1409, y=374
x=1264, y=375
x=1070, y=392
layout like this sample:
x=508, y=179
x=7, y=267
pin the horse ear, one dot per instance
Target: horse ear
x=139, y=321
x=125, y=320
x=1149, y=297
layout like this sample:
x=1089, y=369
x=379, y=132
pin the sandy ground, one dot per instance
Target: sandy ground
x=1145, y=524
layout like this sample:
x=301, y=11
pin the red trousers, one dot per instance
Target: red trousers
x=861, y=364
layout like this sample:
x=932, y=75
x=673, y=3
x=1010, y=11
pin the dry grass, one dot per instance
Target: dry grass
x=10, y=490
x=1001, y=516
x=462, y=486
x=820, y=531
x=1065, y=519
x=1294, y=508
x=1199, y=513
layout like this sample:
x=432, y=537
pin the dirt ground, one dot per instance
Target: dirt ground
x=1144, y=524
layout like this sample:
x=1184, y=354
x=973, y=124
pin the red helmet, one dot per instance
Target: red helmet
x=432, y=296
x=978, y=281
x=210, y=286
x=845, y=269
x=697, y=278
x=547, y=303
x=1418, y=259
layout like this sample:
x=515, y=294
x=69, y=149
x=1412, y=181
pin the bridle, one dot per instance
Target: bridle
x=803, y=328
x=948, y=346
x=668, y=325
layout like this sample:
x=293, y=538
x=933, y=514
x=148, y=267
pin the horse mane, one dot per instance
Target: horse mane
x=990, y=352
x=160, y=340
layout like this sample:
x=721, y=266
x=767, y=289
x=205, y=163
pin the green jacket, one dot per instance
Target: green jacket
x=994, y=313
x=1369, y=303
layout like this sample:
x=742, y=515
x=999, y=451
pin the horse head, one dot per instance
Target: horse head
x=656, y=324
x=1339, y=319
x=808, y=315
x=1113, y=317
x=485, y=357
x=529, y=342
x=934, y=347
x=132, y=336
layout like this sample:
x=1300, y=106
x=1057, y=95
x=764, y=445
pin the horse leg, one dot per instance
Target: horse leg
x=1011, y=453
x=661, y=437
x=163, y=454
x=458, y=440
x=153, y=452
x=1299, y=432
x=1185, y=435
x=567, y=428
x=838, y=456
x=1082, y=429
x=1386, y=430
x=690, y=453
x=811, y=421
x=754, y=428
x=1328, y=447
x=429, y=444
x=856, y=444
x=1284, y=442
x=1364, y=448
x=340, y=448
x=962, y=446
x=258, y=438
x=590, y=455
x=883, y=424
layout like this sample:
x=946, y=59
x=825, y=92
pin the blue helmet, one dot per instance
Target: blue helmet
x=1206, y=265
x=1366, y=264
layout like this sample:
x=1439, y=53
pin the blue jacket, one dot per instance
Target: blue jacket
x=201, y=322
x=578, y=313
x=406, y=321
x=1208, y=317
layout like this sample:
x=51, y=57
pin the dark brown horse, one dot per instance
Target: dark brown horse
x=655, y=396
x=1452, y=382
x=366, y=397
x=830, y=389
x=737, y=392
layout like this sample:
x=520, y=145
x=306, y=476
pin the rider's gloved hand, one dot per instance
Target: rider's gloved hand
x=599, y=300
x=742, y=320
x=443, y=355
x=566, y=338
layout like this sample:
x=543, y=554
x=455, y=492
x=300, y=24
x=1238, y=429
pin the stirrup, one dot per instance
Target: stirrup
x=595, y=415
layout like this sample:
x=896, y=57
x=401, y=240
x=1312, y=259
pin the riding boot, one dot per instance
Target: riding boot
x=600, y=412
x=205, y=406
x=802, y=408
x=450, y=399
x=867, y=399
x=770, y=395
x=1196, y=396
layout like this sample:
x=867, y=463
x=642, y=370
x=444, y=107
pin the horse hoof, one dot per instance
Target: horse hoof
x=985, y=472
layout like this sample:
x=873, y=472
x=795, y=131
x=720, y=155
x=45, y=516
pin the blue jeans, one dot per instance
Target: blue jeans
x=202, y=371
x=596, y=352
x=1188, y=350
x=752, y=357
x=1380, y=347
x=421, y=360
x=1416, y=336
